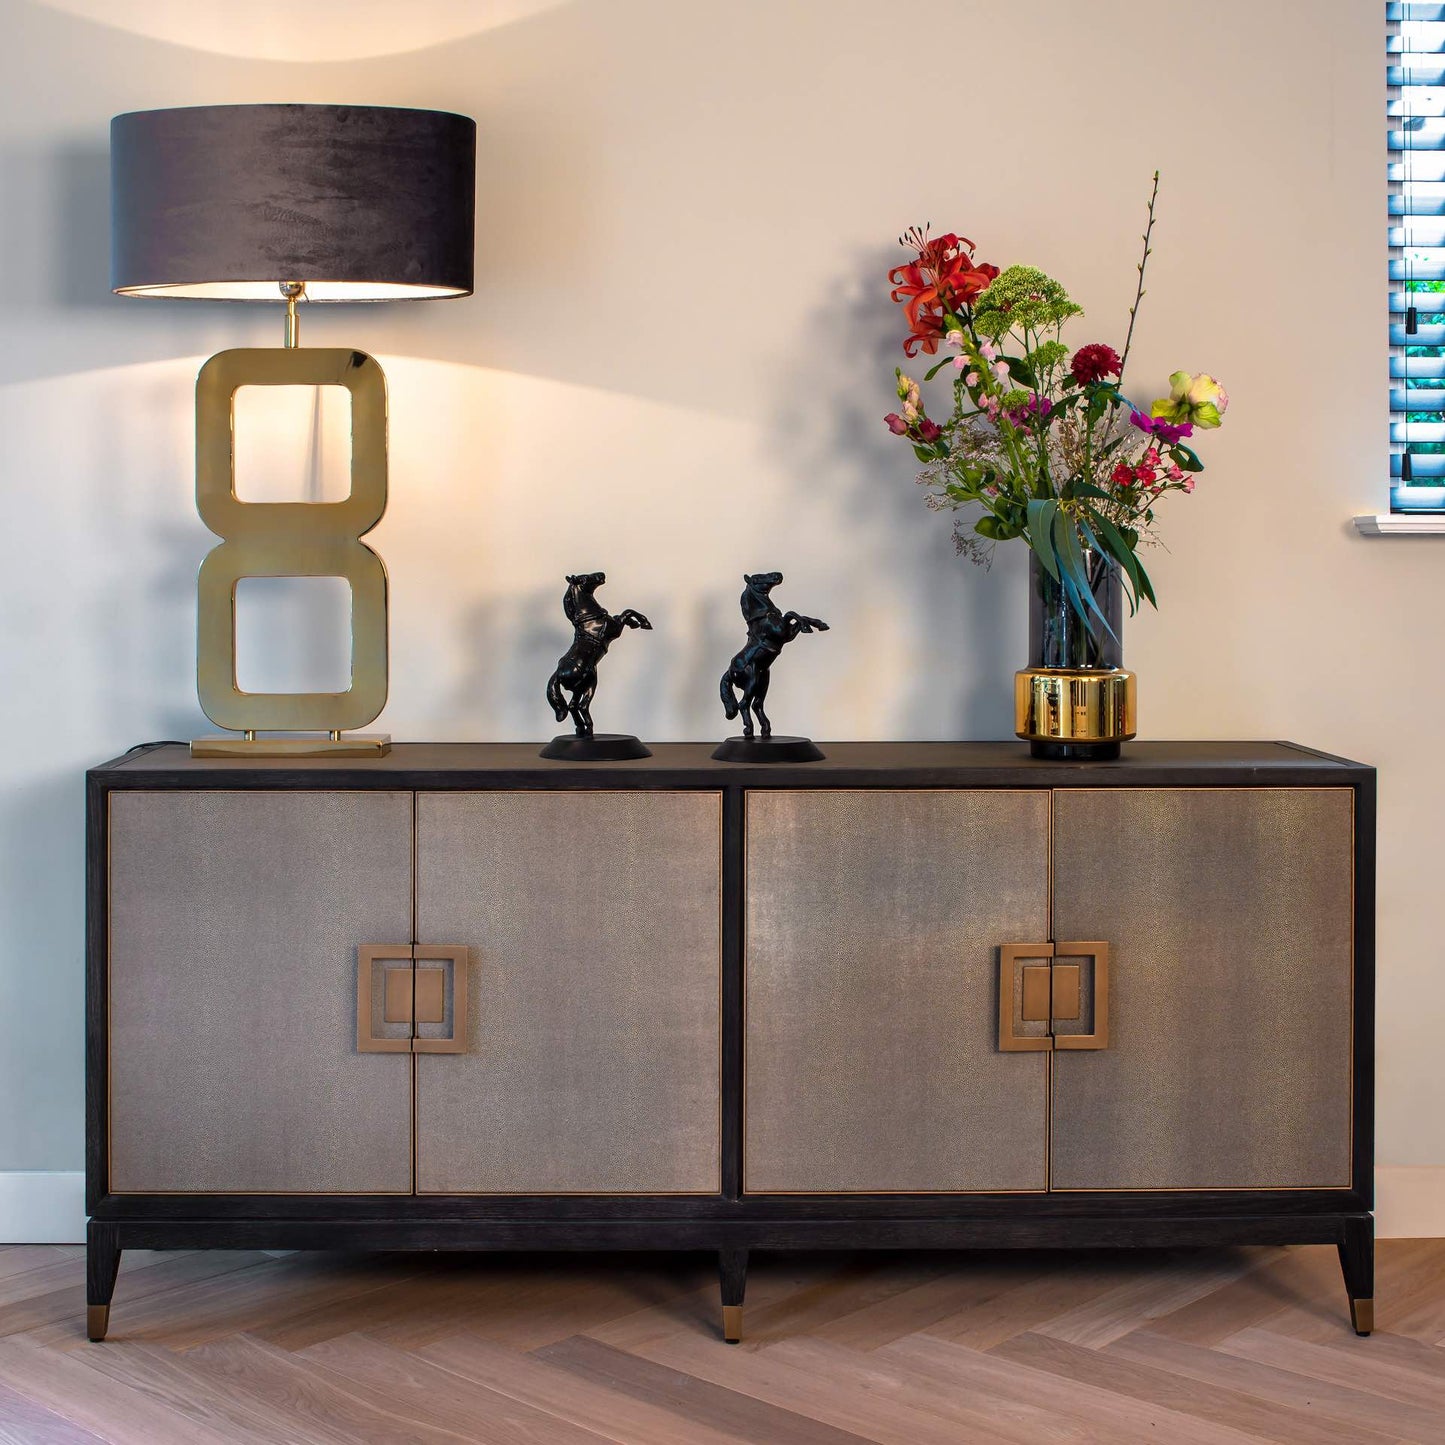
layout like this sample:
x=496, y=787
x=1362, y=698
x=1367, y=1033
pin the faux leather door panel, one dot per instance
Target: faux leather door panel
x=874, y=921
x=1229, y=916
x=235, y=920
x=592, y=1063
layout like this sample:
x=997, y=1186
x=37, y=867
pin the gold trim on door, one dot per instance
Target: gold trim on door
x=1034, y=988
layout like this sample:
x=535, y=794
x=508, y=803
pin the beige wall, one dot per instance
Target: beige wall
x=674, y=368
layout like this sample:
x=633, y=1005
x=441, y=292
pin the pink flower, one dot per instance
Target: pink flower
x=989, y=351
x=896, y=424
x=1176, y=474
x=1188, y=485
x=1000, y=370
x=972, y=378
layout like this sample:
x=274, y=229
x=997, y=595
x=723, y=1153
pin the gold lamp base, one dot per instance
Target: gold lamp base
x=333, y=745
x=1065, y=713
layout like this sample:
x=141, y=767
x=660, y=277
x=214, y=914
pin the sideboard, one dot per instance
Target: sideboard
x=916, y=995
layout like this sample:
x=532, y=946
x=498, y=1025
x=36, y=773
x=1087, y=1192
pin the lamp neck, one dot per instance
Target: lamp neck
x=293, y=291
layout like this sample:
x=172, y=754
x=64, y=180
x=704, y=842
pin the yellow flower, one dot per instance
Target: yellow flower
x=1198, y=399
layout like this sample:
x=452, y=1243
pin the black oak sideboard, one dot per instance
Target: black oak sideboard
x=916, y=995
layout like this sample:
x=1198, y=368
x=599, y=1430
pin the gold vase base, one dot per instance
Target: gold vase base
x=1075, y=716
x=323, y=745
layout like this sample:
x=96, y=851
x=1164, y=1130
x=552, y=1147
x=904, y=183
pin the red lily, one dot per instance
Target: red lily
x=943, y=280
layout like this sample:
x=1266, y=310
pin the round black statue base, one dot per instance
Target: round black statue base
x=768, y=750
x=1075, y=752
x=599, y=748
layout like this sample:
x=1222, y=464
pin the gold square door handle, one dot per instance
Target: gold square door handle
x=411, y=998
x=1053, y=995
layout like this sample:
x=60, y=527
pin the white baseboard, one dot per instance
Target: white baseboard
x=1410, y=1201
x=48, y=1207
x=42, y=1206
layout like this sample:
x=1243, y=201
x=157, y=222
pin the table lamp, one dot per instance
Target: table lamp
x=288, y=204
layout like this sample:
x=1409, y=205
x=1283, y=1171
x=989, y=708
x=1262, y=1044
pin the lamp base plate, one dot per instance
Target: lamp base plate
x=348, y=745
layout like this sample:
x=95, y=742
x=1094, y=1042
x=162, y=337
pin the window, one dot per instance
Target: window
x=1416, y=80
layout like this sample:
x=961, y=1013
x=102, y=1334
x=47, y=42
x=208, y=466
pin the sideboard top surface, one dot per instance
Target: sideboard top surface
x=851, y=764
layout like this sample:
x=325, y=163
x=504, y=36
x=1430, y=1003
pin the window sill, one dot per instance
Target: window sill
x=1402, y=524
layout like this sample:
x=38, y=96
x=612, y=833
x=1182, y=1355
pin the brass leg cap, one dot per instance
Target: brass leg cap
x=732, y=1323
x=1362, y=1315
x=97, y=1321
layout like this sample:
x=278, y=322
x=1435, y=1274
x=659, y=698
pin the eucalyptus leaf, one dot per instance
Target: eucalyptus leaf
x=1041, y=516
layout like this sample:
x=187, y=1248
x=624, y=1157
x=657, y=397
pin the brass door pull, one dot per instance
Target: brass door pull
x=411, y=998
x=1038, y=992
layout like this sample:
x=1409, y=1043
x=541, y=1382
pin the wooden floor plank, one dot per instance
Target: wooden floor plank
x=1174, y=1283
x=769, y=1373
x=693, y=1397
x=595, y=1406
x=972, y=1415
x=1148, y=1383
x=1123, y=1417
x=1352, y=1406
x=23, y=1422
x=1350, y=1361
x=119, y=1411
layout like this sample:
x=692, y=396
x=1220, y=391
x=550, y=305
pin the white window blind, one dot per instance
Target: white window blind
x=1415, y=74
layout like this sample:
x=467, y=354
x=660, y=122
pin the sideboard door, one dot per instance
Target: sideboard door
x=591, y=1059
x=235, y=922
x=1228, y=914
x=874, y=926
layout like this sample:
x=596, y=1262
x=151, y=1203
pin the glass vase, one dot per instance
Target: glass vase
x=1075, y=700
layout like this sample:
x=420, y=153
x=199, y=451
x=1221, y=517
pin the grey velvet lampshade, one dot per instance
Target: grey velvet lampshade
x=227, y=202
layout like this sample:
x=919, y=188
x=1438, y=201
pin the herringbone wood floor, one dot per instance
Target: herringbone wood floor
x=1182, y=1347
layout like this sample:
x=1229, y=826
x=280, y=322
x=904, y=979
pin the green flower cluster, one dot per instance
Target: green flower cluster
x=1022, y=299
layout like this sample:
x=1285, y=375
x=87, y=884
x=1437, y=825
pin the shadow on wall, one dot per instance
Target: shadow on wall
x=647, y=680
x=965, y=637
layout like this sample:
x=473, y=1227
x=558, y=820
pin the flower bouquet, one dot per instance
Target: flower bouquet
x=1042, y=443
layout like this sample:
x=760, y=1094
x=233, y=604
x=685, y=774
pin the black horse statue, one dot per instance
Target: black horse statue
x=769, y=631
x=594, y=630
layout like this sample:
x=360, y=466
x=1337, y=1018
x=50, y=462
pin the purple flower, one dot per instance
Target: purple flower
x=1034, y=407
x=1168, y=432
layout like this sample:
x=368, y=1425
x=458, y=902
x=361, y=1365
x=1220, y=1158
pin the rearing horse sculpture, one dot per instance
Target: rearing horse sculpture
x=769, y=631
x=594, y=631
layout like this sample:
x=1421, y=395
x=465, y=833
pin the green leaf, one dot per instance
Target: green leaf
x=924, y=454
x=1041, y=516
x=1021, y=371
x=934, y=370
x=1185, y=458
x=1074, y=573
x=1122, y=553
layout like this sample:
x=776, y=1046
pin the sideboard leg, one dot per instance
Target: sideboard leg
x=102, y=1261
x=1357, y=1262
x=732, y=1270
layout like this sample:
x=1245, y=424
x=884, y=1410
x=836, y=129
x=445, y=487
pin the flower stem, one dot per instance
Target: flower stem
x=1139, y=294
